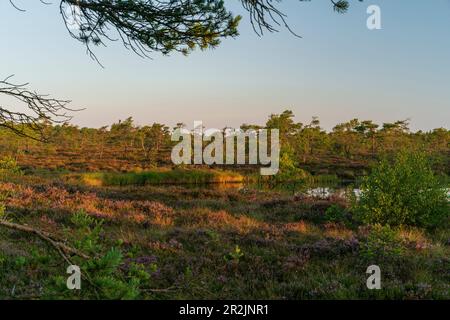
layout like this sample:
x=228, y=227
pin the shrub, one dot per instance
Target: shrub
x=335, y=213
x=338, y=214
x=235, y=255
x=105, y=278
x=2, y=211
x=403, y=193
x=382, y=244
x=9, y=167
x=288, y=169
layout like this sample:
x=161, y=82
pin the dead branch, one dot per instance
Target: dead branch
x=42, y=110
x=58, y=245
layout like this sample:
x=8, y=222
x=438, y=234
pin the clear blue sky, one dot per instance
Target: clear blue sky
x=339, y=70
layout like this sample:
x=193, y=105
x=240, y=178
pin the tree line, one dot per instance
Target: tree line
x=125, y=146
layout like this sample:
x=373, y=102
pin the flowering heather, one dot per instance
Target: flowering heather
x=219, y=243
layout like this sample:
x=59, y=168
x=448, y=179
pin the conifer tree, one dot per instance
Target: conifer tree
x=143, y=26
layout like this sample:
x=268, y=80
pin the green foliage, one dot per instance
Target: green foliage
x=20, y=262
x=107, y=264
x=9, y=168
x=289, y=171
x=138, y=271
x=106, y=276
x=2, y=210
x=182, y=26
x=403, y=193
x=335, y=213
x=341, y=6
x=125, y=147
x=235, y=255
x=382, y=244
x=3, y=196
x=82, y=220
x=103, y=277
x=145, y=26
x=87, y=232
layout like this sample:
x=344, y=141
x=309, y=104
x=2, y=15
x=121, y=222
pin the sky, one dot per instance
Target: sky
x=338, y=70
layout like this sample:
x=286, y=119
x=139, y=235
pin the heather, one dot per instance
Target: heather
x=111, y=202
x=182, y=242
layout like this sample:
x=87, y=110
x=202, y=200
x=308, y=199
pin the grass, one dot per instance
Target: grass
x=177, y=242
x=175, y=176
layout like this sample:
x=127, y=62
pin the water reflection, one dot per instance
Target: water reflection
x=340, y=189
x=317, y=190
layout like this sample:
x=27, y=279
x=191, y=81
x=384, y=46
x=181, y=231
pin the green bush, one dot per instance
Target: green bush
x=9, y=167
x=235, y=255
x=289, y=171
x=335, y=213
x=382, y=244
x=403, y=193
x=105, y=278
x=338, y=214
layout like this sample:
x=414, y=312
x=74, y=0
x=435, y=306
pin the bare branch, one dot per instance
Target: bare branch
x=43, y=110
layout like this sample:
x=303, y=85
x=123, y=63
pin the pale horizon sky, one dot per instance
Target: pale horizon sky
x=338, y=71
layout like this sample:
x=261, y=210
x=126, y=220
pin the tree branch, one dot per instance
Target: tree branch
x=43, y=110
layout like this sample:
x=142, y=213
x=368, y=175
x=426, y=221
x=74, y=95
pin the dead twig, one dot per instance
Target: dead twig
x=161, y=290
x=58, y=245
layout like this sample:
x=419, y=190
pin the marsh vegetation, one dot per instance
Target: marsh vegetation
x=206, y=241
x=110, y=201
